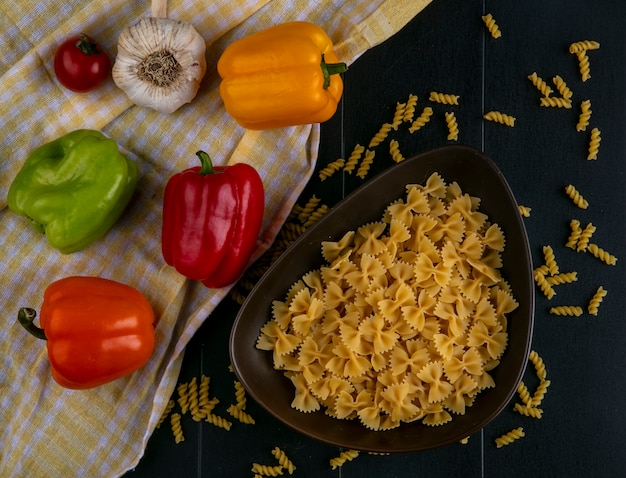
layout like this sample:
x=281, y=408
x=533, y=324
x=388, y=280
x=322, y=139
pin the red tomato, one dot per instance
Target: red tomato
x=80, y=64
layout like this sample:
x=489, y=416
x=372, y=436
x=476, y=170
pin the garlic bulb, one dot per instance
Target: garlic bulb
x=160, y=63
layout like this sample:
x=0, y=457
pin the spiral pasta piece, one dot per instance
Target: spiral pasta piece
x=524, y=393
x=563, y=278
x=394, y=150
x=267, y=470
x=596, y=300
x=555, y=102
x=540, y=84
x=601, y=254
x=421, y=120
x=528, y=411
x=584, y=66
x=381, y=135
x=366, y=163
x=316, y=215
x=240, y=395
x=409, y=110
x=571, y=310
x=177, y=428
x=550, y=260
x=398, y=115
x=575, y=196
x=572, y=240
x=509, y=437
x=444, y=98
x=218, y=421
x=453, y=127
x=183, y=396
x=562, y=87
x=585, y=116
x=284, y=460
x=540, y=393
x=344, y=456
x=538, y=364
x=331, y=168
x=166, y=412
x=308, y=208
x=583, y=46
x=585, y=236
x=353, y=159
x=594, y=144
x=524, y=210
x=544, y=285
x=239, y=414
x=492, y=26
x=498, y=117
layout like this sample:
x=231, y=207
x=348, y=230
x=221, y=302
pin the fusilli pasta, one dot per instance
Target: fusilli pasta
x=572, y=240
x=538, y=364
x=498, y=117
x=492, y=26
x=585, y=236
x=353, y=159
x=453, y=127
x=571, y=310
x=444, y=98
x=601, y=254
x=596, y=300
x=540, y=392
x=366, y=163
x=524, y=210
x=283, y=460
x=540, y=84
x=584, y=45
x=267, y=470
x=394, y=150
x=575, y=196
x=331, y=168
x=380, y=136
x=584, y=65
x=585, y=116
x=562, y=87
x=509, y=437
x=528, y=411
x=421, y=120
x=344, y=456
x=177, y=428
x=409, y=111
x=398, y=115
x=555, y=102
x=594, y=144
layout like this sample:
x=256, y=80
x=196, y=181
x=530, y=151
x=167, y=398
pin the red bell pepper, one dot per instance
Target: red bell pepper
x=212, y=216
x=96, y=330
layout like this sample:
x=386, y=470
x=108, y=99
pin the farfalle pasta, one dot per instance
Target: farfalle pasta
x=404, y=320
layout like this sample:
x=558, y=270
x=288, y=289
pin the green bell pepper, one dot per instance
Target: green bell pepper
x=74, y=188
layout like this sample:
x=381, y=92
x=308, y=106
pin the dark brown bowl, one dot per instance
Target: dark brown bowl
x=477, y=175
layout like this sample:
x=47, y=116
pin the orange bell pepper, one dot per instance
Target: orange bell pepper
x=97, y=330
x=285, y=75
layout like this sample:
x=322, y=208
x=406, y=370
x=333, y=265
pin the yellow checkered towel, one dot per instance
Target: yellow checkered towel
x=51, y=431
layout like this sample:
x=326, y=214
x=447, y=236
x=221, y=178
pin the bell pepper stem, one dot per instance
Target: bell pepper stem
x=329, y=69
x=25, y=317
x=205, y=161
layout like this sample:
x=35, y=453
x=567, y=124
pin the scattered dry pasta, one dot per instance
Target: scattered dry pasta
x=492, y=26
x=353, y=159
x=344, y=456
x=524, y=210
x=444, y=98
x=540, y=393
x=267, y=470
x=284, y=460
x=571, y=310
x=498, y=117
x=576, y=231
x=528, y=411
x=380, y=136
x=540, y=84
x=366, y=163
x=594, y=144
x=562, y=87
x=538, y=364
x=575, y=196
x=421, y=120
x=409, y=111
x=524, y=393
x=554, y=102
x=601, y=254
x=583, y=46
x=177, y=428
x=331, y=168
x=398, y=116
x=585, y=236
x=563, y=278
x=584, y=65
x=404, y=320
x=453, y=127
x=394, y=150
x=585, y=116
x=239, y=414
x=550, y=260
x=596, y=300
x=509, y=437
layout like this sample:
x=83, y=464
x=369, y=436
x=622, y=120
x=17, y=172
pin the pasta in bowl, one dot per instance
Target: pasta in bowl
x=400, y=326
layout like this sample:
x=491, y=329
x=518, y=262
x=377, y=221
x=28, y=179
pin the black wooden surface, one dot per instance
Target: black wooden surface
x=446, y=48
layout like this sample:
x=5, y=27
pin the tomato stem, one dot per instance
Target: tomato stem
x=207, y=165
x=25, y=317
x=87, y=45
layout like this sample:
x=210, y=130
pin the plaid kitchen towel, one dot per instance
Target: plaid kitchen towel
x=51, y=431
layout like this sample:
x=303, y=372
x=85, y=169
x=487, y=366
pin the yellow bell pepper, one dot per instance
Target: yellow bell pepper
x=285, y=75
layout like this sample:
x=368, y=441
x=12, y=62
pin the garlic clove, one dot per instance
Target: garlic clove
x=160, y=63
